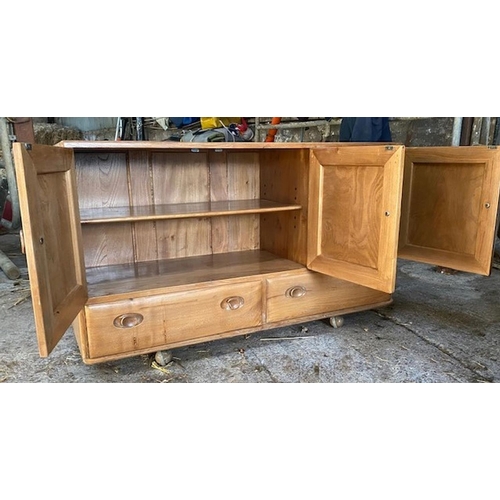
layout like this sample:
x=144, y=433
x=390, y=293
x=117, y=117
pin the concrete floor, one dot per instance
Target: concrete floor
x=440, y=328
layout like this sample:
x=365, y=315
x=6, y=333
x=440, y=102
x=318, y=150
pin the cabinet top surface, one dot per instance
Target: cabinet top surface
x=250, y=146
x=174, y=145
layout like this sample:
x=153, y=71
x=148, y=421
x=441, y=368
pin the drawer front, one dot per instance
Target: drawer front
x=309, y=293
x=146, y=322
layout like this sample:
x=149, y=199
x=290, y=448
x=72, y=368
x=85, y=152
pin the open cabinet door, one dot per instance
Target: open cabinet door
x=354, y=208
x=53, y=241
x=449, y=207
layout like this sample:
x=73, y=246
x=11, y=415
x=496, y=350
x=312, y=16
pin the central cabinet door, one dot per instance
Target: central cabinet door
x=354, y=210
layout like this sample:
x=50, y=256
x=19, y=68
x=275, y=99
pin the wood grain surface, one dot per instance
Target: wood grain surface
x=52, y=234
x=449, y=207
x=354, y=213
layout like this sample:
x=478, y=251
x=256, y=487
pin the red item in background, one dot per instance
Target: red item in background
x=243, y=126
x=245, y=132
x=6, y=220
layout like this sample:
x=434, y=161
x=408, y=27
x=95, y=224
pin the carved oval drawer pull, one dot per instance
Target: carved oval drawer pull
x=128, y=320
x=232, y=303
x=296, y=291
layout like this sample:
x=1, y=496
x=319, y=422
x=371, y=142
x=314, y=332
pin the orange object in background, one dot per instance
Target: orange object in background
x=272, y=132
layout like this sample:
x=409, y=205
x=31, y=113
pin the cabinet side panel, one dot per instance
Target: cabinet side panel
x=284, y=178
x=80, y=331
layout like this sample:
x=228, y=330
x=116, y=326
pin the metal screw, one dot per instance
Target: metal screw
x=487, y=205
x=387, y=214
x=41, y=241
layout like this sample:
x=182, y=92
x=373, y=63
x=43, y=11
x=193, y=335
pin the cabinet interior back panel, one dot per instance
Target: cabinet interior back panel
x=219, y=191
x=284, y=178
x=107, y=244
x=102, y=180
x=149, y=178
x=243, y=174
x=181, y=178
x=141, y=194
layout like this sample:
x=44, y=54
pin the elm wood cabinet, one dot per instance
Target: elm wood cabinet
x=148, y=246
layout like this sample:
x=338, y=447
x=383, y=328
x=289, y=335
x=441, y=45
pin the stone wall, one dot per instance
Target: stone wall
x=410, y=132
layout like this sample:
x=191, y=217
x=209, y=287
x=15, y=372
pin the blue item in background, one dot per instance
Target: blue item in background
x=365, y=130
x=183, y=122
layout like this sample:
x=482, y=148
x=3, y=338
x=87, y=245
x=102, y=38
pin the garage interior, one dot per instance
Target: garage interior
x=443, y=325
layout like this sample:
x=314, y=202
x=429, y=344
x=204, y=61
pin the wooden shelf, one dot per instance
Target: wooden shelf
x=181, y=211
x=123, y=279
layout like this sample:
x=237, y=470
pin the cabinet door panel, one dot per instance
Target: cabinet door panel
x=450, y=200
x=354, y=207
x=52, y=232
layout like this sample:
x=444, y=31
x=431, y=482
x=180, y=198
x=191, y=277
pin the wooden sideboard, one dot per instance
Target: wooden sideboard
x=147, y=246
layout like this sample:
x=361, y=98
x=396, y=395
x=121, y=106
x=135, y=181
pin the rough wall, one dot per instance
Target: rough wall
x=51, y=133
x=410, y=132
x=422, y=131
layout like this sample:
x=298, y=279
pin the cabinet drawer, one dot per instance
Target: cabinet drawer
x=146, y=322
x=308, y=294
